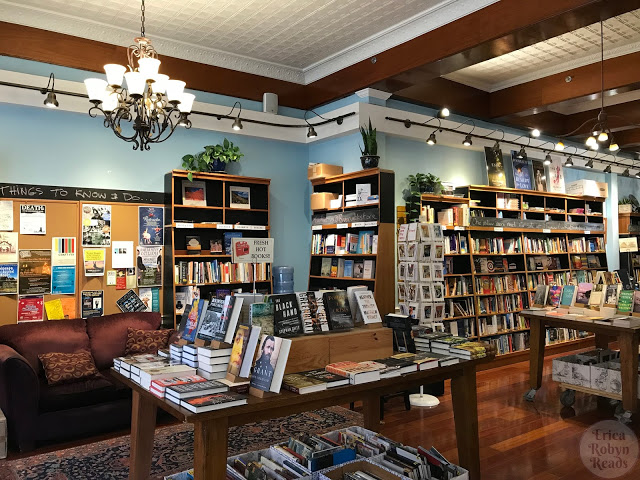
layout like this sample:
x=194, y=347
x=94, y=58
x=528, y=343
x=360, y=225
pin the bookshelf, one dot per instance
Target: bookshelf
x=377, y=217
x=515, y=240
x=629, y=226
x=210, y=222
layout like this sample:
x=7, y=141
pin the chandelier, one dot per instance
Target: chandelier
x=150, y=107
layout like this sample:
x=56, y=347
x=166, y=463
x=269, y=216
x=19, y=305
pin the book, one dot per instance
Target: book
x=369, y=269
x=240, y=342
x=583, y=294
x=250, y=351
x=367, y=307
x=568, y=296
x=212, y=321
x=521, y=172
x=636, y=302
x=196, y=389
x=555, y=176
x=325, y=267
x=193, y=317
x=348, y=269
x=286, y=315
x=611, y=294
x=269, y=367
x=597, y=296
x=554, y=296
x=229, y=319
x=216, y=401
x=330, y=379
x=540, y=295
x=312, y=311
x=261, y=315
x=495, y=167
x=299, y=383
x=539, y=177
x=228, y=240
x=194, y=193
x=625, y=301
x=338, y=311
x=158, y=387
x=357, y=373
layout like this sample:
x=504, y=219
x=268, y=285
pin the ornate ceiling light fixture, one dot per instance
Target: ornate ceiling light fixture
x=149, y=101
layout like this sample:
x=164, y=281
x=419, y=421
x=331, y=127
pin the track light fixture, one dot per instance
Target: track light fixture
x=443, y=113
x=521, y=154
x=50, y=101
x=535, y=133
x=467, y=141
x=589, y=164
x=312, y=132
x=547, y=160
x=607, y=169
x=638, y=174
x=626, y=173
x=432, y=139
x=496, y=146
x=569, y=162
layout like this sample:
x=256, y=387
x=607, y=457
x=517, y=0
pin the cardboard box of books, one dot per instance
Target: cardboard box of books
x=3, y=435
x=590, y=188
x=270, y=461
x=317, y=170
x=362, y=466
x=606, y=377
x=576, y=369
x=322, y=200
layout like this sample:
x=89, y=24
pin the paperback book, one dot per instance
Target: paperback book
x=269, y=367
x=216, y=401
x=261, y=315
x=313, y=314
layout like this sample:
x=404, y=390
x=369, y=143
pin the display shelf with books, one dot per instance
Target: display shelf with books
x=202, y=218
x=353, y=243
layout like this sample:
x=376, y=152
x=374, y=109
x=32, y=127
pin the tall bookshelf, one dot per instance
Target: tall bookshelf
x=378, y=217
x=520, y=218
x=210, y=222
x=629, y=226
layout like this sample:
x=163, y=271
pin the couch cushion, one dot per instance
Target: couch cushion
x=67, y=367
x=108, y=334
x=92, y=391
x=146, y=341
x=34, y=338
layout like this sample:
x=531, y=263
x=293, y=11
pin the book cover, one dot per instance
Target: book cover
x=540, y=296
x=331, y=379
x=555, y=294
x=495, y=167
x=555, y=177
x=636, y=301
x=191, y=325
x=325, y=267
x=228, y=240
x=238, y=350
x=213, y=402
x=597, y=295
x=314, y=318
x=213, y=321
x=336, y=305
x=299, y=383
x=261, y=315
x=334, y=267
x=539, y=177
x=521, y=172
x=348, y=268
x=584, y=293
x=625, y=301
x=286, y=315
x=191, y=389
x=264, y=368
x=612, y=293
x=568, y=295
x=367, y=307
x=227, y=309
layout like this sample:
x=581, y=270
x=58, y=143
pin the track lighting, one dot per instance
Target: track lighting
x=614, y=146
x=50, y=101
x=535, y=133
x=407, y=123
x=432, y=139
x=638, y=174
x=603, y=137
x=569, y=162
x=237, y=123
x=626, y=173
x=443, y=113
x=607, y=169
x=547, y=160
x=559, y=147
x=521, y=154
x=589, y=164
x=496, y=146
x=591, y=141
x=312, y=132
x=467, y=141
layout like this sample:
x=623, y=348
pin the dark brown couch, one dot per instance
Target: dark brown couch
x=38, y=413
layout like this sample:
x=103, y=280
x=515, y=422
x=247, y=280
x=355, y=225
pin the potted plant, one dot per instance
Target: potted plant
x=369, y=158
x=214, y=158
x=625, y=205
x=418, y=184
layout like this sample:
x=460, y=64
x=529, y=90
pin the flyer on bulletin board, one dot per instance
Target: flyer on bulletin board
x=8, y=279
x=149, y=266
x=63, y=279
x=151, y=225
x=9, y=247
x=92, y=303
x=93, y=262
x=96, y=225
x=6, y=215
x=31, y=308
x=33, y=219
x=35, y=272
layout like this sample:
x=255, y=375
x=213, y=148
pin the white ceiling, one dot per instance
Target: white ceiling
x=571, y=50
x=294, y=40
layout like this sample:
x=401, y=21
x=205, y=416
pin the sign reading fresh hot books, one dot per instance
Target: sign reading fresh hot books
x=252, y=250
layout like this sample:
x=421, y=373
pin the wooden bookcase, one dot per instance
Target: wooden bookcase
x=210, y=222
x=379, y=217
x=629, y=226
x=531, y=205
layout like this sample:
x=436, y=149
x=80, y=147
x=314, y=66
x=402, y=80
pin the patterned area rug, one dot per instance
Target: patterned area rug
x=173, y=449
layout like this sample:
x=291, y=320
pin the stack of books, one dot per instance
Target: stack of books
x=159, y=387
x=212, y=363
x=178, y=392
x=190, y=355
x=175, y=351
x=312, y=381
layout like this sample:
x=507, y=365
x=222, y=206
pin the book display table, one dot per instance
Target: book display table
x=211, y=428
x=626, y=337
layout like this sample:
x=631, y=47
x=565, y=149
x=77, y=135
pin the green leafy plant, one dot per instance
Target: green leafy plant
x=370, y=146
x=418, y=184
x=624, y=201
x=201, y=162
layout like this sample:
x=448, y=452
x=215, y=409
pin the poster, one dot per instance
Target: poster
x=521, y=172
x=9, y=279
x=122, y=254
x=8, y=247
x=6, y=215
x=93, y=262
x=69, y=307
x=111, y=278
x=54, y=309
x=555, y=177
x=31, y=308
x=63, y=251
x=130, y=281
x=96, y=225
x=92, y=303
x=150, y=297
x=63, y=265
x=35, y=272
x=33, y=219
x=63, y=279
x=121, y=279
x=151, y=225
x=130, y=302
x=495, y=167
x=149, y=266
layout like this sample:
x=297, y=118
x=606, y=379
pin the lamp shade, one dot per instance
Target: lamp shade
x=175, y=89
x=186, y=103
x=110, y=102
x=135, y=83
x=96, y=89
x=148, y=67
x=115, y=74
x=159, y=84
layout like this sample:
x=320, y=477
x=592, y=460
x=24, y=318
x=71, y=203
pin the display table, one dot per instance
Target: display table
x=211, y=428
x=627, y=339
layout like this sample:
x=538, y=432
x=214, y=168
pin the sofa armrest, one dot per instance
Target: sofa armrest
x=19, y=396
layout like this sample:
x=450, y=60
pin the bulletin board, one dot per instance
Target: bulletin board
x=63, y=219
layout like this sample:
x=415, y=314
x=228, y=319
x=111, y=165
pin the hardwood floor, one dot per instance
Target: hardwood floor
x=518, y=439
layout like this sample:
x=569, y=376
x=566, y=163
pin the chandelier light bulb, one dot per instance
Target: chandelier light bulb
x=96, y=89
x=135, y=83
x=535, y=133
x=590, y=141
x=603, y=137
x=559, y=147
x=148, y=67
x=432, y=139
x=547, y=160
x=115, y=74
x=159, y=84
x=186, y=102
x=595, y=146
x=175, y=89
x=614, y=147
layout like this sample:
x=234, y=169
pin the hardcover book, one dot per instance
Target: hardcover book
x=261, y=314
x=636, y=301
x=584, y=293
x=521, y=172
x=336, y=305
x=299, y=383
x=555, y=293
x=286, y=315
x=314, y=317
x=325, y=267
x=228, y=240
x=625, y=301
x=612, y=293
x=367, y=307
x=268, y=369
x=330, y=379
x=540, y=296
x=568, y=295
x=196, y=389
x=539, y=177
x=217, y=401
x=195, y=314
x=495, y=167
x=240, y=342
x=213, y=322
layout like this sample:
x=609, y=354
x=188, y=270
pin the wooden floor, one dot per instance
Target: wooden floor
x=518, y=440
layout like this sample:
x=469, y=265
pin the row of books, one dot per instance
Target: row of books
x=462, y=307
x=221, y=272
x=586, y=244
x=458, y=286
x=481, y=246
x=363, y=242
x=441, y=343
x=462, y=327
x=455, y=216
x=495, y=324
x=456, y=243
x=508, y=201
x=545, y=262
x=545, y=245
x=494, y=265
x=498, y=284
x=343, y=268
x=585, y=261
x=548, y=278
x=586, y=294
x=502, y=303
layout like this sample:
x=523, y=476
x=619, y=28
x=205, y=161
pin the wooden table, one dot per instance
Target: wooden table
x=627, y=339
x=211, y=428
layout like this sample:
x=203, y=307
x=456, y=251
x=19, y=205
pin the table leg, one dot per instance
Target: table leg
x=371, y=412
x=536, y=352
x=602, y=341
x=465, y=414
x=210, y=441
x=629, y=369
x=143, y=424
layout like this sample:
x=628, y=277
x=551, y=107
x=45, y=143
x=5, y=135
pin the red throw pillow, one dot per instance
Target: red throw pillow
x=67, y=367
x=146, y=341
